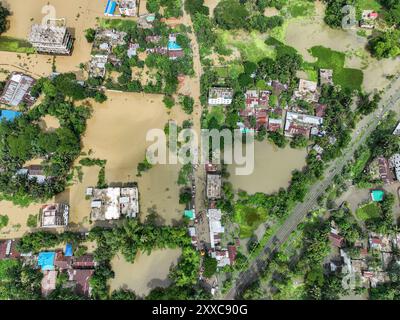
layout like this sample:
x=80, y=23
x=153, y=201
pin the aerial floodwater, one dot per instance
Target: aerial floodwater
x=272, y=170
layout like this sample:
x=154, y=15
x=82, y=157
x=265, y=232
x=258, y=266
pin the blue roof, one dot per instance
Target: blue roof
x=9, y=115
x=110, y=8
x=172, y=45
x=68, y=250
x=46, y=260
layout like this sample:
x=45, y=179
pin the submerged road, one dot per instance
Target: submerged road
x=389, y=101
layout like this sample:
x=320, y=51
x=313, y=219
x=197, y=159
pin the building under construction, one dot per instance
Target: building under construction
x=51, y=39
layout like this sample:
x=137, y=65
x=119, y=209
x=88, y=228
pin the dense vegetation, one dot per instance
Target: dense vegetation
x=23, y=139
x=164, y=71
x=4, y=13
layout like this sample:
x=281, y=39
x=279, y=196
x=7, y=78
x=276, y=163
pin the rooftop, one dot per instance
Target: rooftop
x=17, y=90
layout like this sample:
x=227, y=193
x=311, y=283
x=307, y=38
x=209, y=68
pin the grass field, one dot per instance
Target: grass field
x=232, y=69
x=361, y=162
x=369, y=211
x=301, y=8
x=15, y=45
x=249, y=219
x=330, y=59
x=118, y=24
x=251, y=46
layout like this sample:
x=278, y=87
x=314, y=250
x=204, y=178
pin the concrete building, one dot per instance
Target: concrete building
x=220, y=96
x=97, y=66
x=301, y=124
x=326, y=76
x=216, y=229
x=214, y=185
x=17, y=90
x=54, y=215
x=395, y=163
x=307, y=91
x=51, y=39
x=111, y=203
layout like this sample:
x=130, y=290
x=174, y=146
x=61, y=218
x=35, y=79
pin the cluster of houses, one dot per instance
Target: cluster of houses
x=78, y=269
x=112, y=203
x=16, y=92
x=365, y=264
x=207, y=231
x=102, y=51
x=173, y=50
x=386, y=169
x=107, y=39
x=262, y=110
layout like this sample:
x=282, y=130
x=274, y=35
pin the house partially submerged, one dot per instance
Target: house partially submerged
x=46, y=38
x=54, y=215
x=17, y=90
x=104, y=42
x=214, y=186
x=111, y=203
x=220, y=96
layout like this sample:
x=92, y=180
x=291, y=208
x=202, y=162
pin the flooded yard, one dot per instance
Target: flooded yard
x=146, y=273
x=305, y=34
x=272, y=169
x=79, y=16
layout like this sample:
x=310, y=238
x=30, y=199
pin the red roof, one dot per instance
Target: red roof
x=336, y=240
x=373, y=15
x=232, y=253
x=81, y=277
x=175, y=53
x=295, y=129
x=10, y=245
x=61, y=261
x=85, y=261
x=320, y=110
x=376, y=241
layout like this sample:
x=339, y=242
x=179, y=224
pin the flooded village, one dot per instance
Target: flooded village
x=105, y=184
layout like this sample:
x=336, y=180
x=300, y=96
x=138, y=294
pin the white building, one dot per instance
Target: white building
x=297, y=123
x=51, y=39
x=111, y=203
x=54, y=215
x=395, y=163
x=216, y=229
x=220, y=96
x=17, y=90
x=307, y=91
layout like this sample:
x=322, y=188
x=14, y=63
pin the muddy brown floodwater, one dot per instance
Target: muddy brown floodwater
x=146, y=273
x=305, y=34
x=272, y=171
